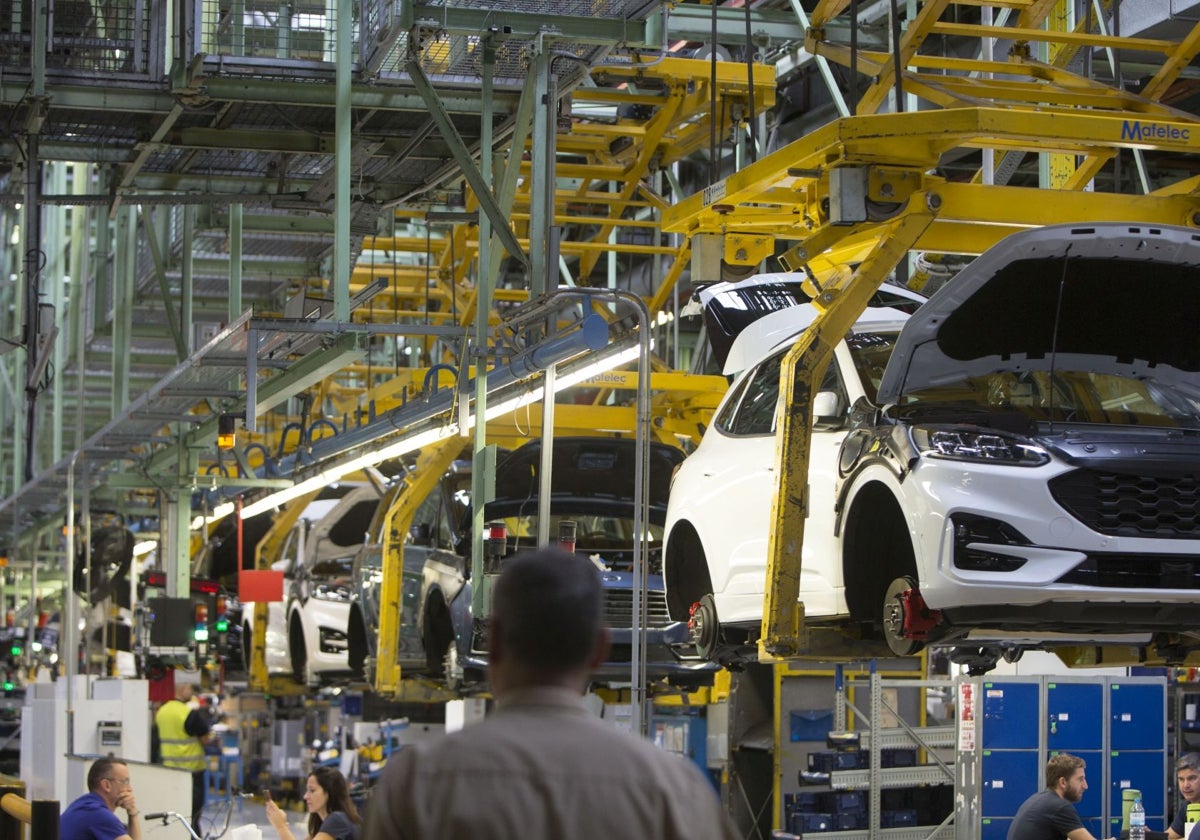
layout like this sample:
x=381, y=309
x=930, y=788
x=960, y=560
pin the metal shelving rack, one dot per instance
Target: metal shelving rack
x=876, y=738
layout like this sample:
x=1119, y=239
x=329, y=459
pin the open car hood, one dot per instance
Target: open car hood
x=1111, y=298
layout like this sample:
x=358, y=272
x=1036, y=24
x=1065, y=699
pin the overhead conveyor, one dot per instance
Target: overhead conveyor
x=853, y=197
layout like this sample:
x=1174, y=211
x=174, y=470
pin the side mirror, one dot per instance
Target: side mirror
x=828, y=411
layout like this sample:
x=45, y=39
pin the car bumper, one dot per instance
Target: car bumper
x=1059, y=560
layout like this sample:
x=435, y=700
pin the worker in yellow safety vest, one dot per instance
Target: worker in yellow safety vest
x=182, y=731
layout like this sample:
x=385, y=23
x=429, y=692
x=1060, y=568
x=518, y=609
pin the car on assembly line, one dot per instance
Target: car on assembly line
x=1017, y=462
x=306, y=632
x=592, y=487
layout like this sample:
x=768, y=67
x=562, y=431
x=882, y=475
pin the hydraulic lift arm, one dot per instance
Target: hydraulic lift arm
x=268, y=547
x=432, y=462
x=840, y=302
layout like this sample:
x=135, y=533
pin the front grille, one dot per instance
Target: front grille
x=1123, y=505
x=1137, y=571
x=618, y=608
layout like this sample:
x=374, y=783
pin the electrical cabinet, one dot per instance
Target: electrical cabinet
x=1117, y=725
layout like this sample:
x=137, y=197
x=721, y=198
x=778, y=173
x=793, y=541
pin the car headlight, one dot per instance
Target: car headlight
x=968, y=444
x=331, y=592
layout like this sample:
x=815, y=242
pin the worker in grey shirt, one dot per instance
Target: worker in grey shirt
x=541, y=767
x=1050, y=814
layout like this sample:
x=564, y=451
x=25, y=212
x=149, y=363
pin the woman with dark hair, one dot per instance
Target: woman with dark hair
x=331, y=813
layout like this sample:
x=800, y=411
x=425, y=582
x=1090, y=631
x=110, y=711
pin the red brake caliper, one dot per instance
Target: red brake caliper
x=918, y=618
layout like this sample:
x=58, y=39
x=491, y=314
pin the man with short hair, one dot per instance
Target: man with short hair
x=182, y=732
x=1050, y=814
x=91, y=817
x=1187, y=774
x=542, y=767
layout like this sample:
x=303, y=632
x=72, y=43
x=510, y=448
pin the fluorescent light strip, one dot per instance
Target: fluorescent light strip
x=601, y=365
x=216, y=515
x=410, y=443
x=368, y=459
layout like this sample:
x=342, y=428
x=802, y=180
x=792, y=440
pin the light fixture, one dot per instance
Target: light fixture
x=408, y=443
x=216, y=515
x=427, y=437
x=227, y=430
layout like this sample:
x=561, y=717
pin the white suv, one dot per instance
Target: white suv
x=1026, y=469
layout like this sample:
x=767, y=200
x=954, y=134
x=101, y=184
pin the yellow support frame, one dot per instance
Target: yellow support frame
x=432, y=462
x=259, y=678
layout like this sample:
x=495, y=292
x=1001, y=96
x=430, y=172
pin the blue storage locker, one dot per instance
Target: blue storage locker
x=995, y=829
x=1076, y=719
x=1137, y=717
x=1145, y=770
x=1008, y=778
x=1008, y=709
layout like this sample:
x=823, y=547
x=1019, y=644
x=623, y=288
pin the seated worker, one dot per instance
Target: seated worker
x=1187, y=775
x=1050, y=814
x=91, y=817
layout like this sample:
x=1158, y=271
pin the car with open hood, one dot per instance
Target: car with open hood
x=1023, y=469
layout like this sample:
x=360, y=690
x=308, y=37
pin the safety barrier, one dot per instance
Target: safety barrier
x=16, y=812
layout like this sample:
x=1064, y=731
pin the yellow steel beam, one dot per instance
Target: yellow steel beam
x=432, y=462
x=775, y=189
x=265, y=553
x=680, y=261
x=1051, y=36
x=910, y=43
x=839, y=305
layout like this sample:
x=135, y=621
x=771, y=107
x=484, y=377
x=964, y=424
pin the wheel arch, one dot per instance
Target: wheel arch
x=685, y=570
x=876, y=548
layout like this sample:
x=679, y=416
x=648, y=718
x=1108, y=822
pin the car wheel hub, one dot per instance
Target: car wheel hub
x=703, y=626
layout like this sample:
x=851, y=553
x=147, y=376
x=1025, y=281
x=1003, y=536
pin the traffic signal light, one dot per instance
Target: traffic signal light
x=201, y=622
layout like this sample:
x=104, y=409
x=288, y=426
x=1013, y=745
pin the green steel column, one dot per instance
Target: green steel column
x=341, y=201
x=541, y=198
x=31, y=288
x=80, y=279
x=483, y=481
x=187, y=278
x=125, y=265
x=235, y=261
x=102, y=269
x=506, y=190
x=56, y=275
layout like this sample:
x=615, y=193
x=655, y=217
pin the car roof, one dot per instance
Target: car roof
x=730, y=307
x=1112, y=297
x=771, y=331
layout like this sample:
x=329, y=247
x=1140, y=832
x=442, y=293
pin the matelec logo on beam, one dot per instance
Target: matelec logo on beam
x=1138, y=130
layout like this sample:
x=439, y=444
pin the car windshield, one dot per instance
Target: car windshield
x=611, y=537
x=870, y=352
x=1074, y=396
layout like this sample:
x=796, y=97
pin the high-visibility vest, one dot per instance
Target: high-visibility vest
x=179, y=749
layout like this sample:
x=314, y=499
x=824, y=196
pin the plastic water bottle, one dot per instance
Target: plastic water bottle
x=1137, y=820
